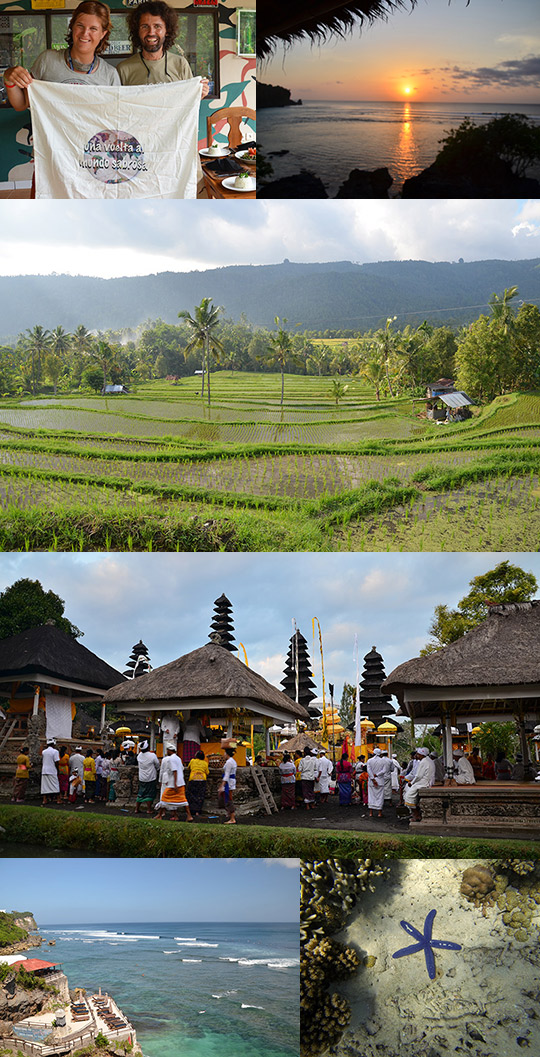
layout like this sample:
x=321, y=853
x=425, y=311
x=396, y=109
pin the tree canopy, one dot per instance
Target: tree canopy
x=27, y=605
x=504, y=583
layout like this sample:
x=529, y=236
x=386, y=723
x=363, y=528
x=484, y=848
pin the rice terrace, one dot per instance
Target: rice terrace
x=333, y=451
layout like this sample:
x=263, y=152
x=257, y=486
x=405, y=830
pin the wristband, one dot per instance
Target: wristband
x=6, y=85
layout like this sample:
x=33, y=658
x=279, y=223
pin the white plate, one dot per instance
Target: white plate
x=242, y=156
x=222, y=154
x=230, y=184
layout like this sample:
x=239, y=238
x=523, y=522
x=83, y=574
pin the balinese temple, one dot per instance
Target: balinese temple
x=139, y=661
x=45, y=675
x=297, y=682
x=222, y=625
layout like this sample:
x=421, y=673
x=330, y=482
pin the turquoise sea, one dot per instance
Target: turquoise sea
x=330, y=138
x=199, y=989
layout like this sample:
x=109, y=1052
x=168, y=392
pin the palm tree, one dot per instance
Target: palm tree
x=374, y=373
x=203, y=326
x=385, y=343
x=81, y=339
x=38, y=343
x=337, y=390
x=500, y=307
x=279, y=350
x=60, y=345
x=105, y=355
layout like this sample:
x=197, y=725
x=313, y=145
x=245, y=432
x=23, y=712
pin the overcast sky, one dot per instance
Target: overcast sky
x=139, y=238
x=387, y=600
x=444, y=51
x=228, y=890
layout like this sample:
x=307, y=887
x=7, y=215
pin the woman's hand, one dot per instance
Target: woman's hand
x=17, y=77
x=205, y=87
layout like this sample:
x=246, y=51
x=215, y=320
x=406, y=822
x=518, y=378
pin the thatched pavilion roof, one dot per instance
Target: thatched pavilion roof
x=300, y=741
x=205, y=679
x=48, y=655
x=497, y=662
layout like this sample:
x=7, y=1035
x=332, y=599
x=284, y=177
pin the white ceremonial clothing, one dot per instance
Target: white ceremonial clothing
x=375, y=770
x=148, y=765
x=464, y=773
x=396, y=771
x=308, y=768
x=170, y=725
x=229, y=772
x=423, y=779
x=49, y=772
x=388, y=768
x=324, y=770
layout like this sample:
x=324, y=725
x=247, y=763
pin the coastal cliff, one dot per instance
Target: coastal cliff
x=274, y=95
x=15, y=926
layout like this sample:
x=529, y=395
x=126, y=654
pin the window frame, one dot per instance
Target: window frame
x=48, y=16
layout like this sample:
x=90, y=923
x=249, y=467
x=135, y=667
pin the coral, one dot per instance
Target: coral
x=478, y=885
x=519, y=866
x=323, y=1016
x=329, y=891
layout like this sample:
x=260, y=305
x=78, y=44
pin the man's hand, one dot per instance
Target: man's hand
x=205, y=87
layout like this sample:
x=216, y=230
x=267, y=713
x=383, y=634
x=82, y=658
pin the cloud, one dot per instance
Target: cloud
x=510, y=73
x=171, y=236
x=289, y=864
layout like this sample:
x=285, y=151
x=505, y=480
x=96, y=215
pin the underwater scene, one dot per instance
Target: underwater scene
x=423, y=958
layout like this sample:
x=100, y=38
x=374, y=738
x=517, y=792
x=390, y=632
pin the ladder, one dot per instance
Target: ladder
x=7, y=733
x=264, y=790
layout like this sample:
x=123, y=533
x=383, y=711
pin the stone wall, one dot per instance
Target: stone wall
x=246, y=797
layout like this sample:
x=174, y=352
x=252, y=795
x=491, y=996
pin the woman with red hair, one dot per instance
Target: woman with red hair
x=87, y=36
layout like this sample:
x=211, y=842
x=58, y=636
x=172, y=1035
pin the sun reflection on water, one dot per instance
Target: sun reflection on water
x=407, y=146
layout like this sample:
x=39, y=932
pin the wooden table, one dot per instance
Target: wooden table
x=214, y=185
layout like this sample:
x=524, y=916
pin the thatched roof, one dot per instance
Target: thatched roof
x=281, y=21
x=503, y=651
x=300, y=741
x=210, y=677
x=47, y=652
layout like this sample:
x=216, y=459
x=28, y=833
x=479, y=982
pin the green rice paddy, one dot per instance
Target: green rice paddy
x=157, y=469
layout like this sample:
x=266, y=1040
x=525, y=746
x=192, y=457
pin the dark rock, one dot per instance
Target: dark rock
x=363, y=184
x=274, y=95
x=303, y=185
x=480, y=179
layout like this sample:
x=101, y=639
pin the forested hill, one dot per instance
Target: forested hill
x=316, y=296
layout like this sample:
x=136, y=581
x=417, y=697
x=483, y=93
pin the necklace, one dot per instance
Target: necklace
x=147, y=68
x=81, y=65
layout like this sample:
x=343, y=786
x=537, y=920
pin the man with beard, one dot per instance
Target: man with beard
x=153, y=26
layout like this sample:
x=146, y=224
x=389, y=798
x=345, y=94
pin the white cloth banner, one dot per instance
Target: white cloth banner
x=115, y=142
x=58, y=716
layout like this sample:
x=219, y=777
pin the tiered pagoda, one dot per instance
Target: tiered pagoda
x=375, y=705
x=297, y=682
x=222, y=625
x=139, y=661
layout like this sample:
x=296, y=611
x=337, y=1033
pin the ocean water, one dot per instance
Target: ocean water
x=330, y=138
x=203, y=989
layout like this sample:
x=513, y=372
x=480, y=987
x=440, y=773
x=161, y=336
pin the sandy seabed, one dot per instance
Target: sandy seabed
x=485, y=998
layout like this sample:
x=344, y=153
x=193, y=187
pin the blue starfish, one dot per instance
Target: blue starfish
x=425, y=943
